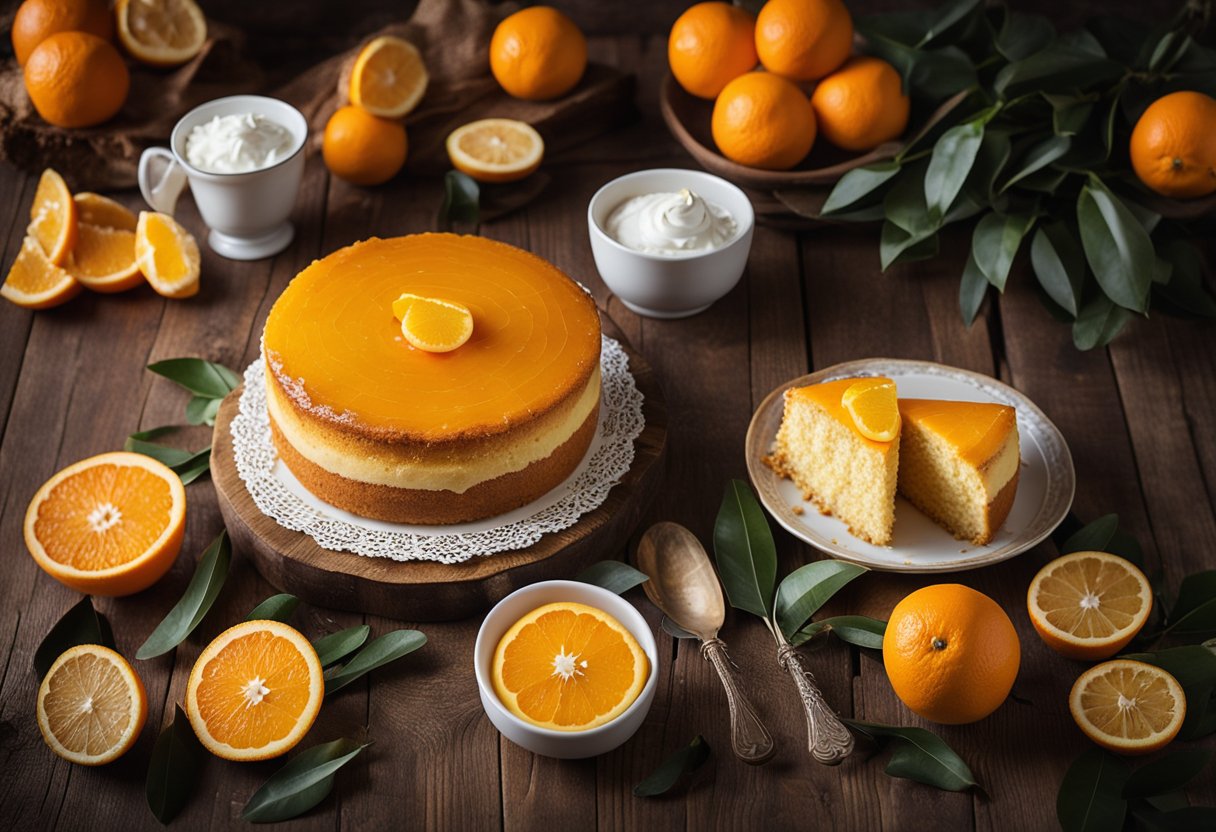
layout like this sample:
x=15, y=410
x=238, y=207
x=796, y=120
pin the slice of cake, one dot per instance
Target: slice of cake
x=845, y=474
x=959, y=464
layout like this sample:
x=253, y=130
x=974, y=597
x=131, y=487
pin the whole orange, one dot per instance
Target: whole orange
x=36, y=20
x=763, y=121
x=362, y=148
x=538, y=53
x=710, y=45
x=951, y=653
x=76, y=79
x=861, y=105
x=1173, y=146
x=803, y=39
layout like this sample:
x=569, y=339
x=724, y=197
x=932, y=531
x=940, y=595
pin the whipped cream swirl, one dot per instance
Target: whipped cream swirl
x=238, y=143
x=671, y=224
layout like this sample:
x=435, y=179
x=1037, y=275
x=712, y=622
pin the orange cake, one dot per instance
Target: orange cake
x=374, y=425
x=845, y=474
x=959, y=464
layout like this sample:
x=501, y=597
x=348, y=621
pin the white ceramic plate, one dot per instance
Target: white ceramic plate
x=1045, y=488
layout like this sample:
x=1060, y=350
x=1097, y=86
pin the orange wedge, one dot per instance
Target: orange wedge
x=1128, y=707
x=104, y=259
x=568, y=667
x=167, y=255
x=35, y=282
x=255, y=691
x=434, y=325
x=53, y=217
x=874, y=406
x=91, y=705
x=1089, y=605
x=496, y=149
x=96, y=209
x=108, y=525
x=388, y=78
x=161, y=32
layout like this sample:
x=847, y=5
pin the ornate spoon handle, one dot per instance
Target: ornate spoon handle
x=749, y=738
x=829, y=741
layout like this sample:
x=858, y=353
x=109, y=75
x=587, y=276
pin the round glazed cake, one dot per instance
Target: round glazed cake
x=375, y=426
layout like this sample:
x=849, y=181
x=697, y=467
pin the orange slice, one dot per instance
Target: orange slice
x=53, y=217
x=1128, y=707
x=255, y=691
x=104, y=259
x=96, y=209
x=108, y=525
x=496, y=149
x=874, y=406
x=434, y=325
x=91, y=705
x=161, y=32
x=167, y=255
x=402, y=304
x=568, y=667
x=388, y=78
x=35, y=282
x=1089, y=605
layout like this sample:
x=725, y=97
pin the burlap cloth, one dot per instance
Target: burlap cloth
x=453, y=35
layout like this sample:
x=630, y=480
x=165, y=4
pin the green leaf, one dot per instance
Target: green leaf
x=1194, y=613
x=1060, y=67
x=745, y=552
x=1117, y=247
x=952, y=158
x=919, y=755
x=1070, y=113
x=805, y=590
x=188, y=465
x=898, y=246
x=1194, y=666
x=613, y=576
x=275, y=608
x=989, y=162
x=81, y=624
x=1092, y=537
x=1166, y=774
x=1021, y=35
x=858, y=630
x=1098, y=323
x=1059, y=265
x=932, y=74
x=201, y=410
x=675, y=630
x=173, y=771
x=685, y=761
x=857, y=184
x=947, y=16
x=461, y=197
x=1187, y=289
x=1090, y=797
x=972, y=288
x=161, y=453
x=202, y=378
x=194, y=467
x=200, y=594
x=335, y=647
x=301, y=784
x=387, y=648
x=995, y=243
x=1038, y=157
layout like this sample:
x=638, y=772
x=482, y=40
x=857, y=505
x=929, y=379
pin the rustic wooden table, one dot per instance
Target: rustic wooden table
x=1138, y=417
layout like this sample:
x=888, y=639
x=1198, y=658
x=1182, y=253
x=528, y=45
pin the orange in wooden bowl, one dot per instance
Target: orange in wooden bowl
x=710, y=45
x=803, y=39
x=764, y=121
x=861, y=105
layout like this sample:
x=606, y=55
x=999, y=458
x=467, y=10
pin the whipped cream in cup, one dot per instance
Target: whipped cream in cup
x=671, y=224
x=238, y=143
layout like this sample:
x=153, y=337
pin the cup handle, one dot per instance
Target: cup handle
x=161, y=191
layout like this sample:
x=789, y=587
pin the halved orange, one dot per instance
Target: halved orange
x=35, y=282
x=53, y=217
x=434, y=325
x=111, y=524
x=568, y=667
x=1128, y=707
x=161, y=32
x=167, y=255
x=96, y=209
x=874, y=406
x=496, y=149
x=91, y=705
x=255, y=691
x=1089, y=605
x=389, y=77
x=104, y=259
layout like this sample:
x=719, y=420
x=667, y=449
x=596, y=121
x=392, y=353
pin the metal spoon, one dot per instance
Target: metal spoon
x=684, y=586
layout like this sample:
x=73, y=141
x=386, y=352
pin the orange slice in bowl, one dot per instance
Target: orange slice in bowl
x=434, y=325
x=496, y=149
x=389, y=77
x=167, y=255
x=1128, y=707
x=1089, y=605
x=53, y=217
x=161, y=32
x=91, y=705
x=874, y=406
x=34, y=282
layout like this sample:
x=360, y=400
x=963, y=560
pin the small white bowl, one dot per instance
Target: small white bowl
x=676, y=286
x=566, y=745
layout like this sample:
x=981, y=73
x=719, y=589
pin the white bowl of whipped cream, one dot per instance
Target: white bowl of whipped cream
x=669, y=241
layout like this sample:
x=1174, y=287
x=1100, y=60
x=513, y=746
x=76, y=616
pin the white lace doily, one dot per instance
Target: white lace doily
x=281, y=497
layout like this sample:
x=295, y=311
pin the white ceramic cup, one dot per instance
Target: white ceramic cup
x=246, y=212
x=676, y=286
x=567, y=745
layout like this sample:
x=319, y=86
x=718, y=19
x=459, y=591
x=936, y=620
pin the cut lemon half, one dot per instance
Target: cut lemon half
x=389, y=77
x=434, y=325
x=568, y=667
x=104, y=259
x=1128, y=707
x=34, y=282
x=496, y=149
x=96, y=209
x=108, y=525
x=167, y=255
x=255, y=691
x=53, y=217
x=874, y=406
x=161, y=32
x=1089, y=605
x=91, y=705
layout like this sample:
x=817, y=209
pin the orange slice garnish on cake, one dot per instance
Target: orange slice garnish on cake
x=1089, y=605
x=1128, y=707
x=53, y=217
x=34, y=282
x=91, y=705
x=433, y=324
x=96, y=209
x=568, y=667
x=496, y=149
x=389, y=77
x=167, y=255
x=161, y=32
x=874, y=406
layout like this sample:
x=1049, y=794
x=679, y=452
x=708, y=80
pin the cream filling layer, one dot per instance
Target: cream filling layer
x=457, y=476
x=1001, y=468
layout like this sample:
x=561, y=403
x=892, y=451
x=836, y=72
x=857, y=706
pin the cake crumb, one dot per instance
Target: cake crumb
x=797, y=510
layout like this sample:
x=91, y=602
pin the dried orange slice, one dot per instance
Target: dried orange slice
x=104, y=259
x=91, y=705
x=1089, y=605
x=167, y=255
x=53, y=217
x=389, y=77
x=434, y=325
x=874, y=406
x=568, y=667
x=1128, y=707
x=111, y=524
x=496, y=149
x=161, y=32
x=255, y=691
x=96, y=209
x=35, y=282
